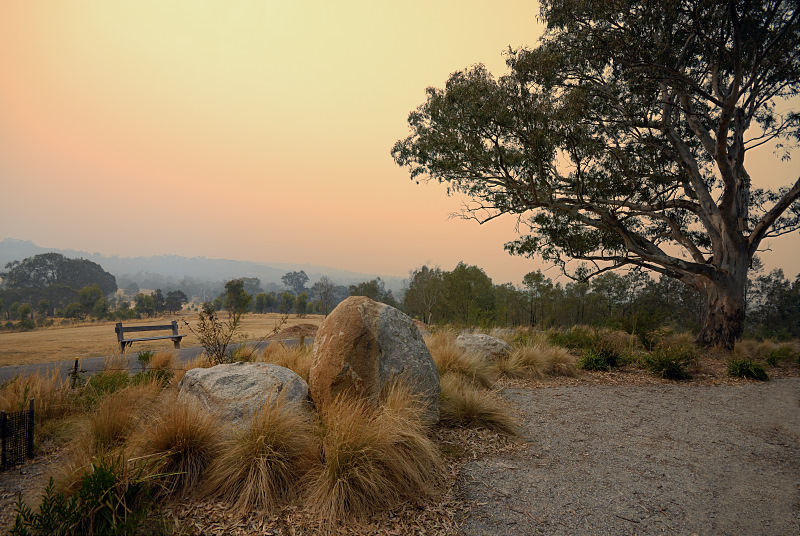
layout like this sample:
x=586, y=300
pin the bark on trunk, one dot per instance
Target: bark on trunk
x=724, y=319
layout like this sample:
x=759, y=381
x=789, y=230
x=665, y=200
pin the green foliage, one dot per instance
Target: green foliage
x=668, y=363
x=594, y=360
x=216, y=335
x=748, y=369
x=111, y=499
x=374, y=290
x=605, y=143
x=102, y=384
x=576, y=337
x=295, y=281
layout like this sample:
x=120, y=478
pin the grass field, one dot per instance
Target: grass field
x=94, y=339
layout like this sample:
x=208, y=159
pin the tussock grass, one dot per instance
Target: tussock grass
x=537, y=360
x=296, y=358
x=180, y=441
x=373, y=457
x=462, y=404
x=113, y=420
x=53, y=398
x=260, y=464
x=449, y=358
x=748, y=369
x=672, y=357
x=163, y=361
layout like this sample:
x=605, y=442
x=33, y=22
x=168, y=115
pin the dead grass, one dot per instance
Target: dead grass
x=463, y=404
x=95, y=339
x=53, y=399
x=180, y=441
x=537, y=360
x=449, y=358
x=373, y=459
x=260, y=464
x=296, y=358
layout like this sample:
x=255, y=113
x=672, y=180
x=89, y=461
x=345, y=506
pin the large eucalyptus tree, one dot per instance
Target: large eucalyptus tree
x=621, y=140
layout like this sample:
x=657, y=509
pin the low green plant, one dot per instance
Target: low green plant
x=104, y=384
x=112, y=498
x=668, y=363
x=577, y=337
x=144, y=358
x=748, y=369
x=592, y=359
x=782, y=352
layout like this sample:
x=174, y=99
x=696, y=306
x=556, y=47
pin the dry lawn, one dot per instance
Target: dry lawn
x=95, y=339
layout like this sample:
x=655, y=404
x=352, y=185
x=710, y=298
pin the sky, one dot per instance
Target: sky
x=250, y=130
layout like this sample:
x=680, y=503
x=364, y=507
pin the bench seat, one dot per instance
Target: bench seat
x=123, y=342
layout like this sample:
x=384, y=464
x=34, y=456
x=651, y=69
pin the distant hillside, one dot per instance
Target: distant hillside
x=173, y=267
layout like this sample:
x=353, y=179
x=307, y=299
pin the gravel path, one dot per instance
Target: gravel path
x=656, y=459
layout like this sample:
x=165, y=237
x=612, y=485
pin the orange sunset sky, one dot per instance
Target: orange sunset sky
x=251, y=130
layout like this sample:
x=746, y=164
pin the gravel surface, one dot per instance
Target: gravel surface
x=656, y=459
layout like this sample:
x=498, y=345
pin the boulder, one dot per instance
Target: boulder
x=364, y=345
x=236, y=389
x=486, y=346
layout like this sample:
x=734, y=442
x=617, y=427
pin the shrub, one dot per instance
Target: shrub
x=373, y=458
x=463, y=404
x=104, y=384
x=260, y=464
x=112, y=498
x=577, y=337
x=782, y=352
x=181, y=441
x=668, y=364
x=450, y=358
x=594, y=360
x=748, y=369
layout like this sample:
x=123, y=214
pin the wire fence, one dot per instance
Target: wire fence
x=16, y=436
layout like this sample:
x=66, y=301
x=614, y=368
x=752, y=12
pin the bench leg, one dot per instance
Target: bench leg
x=177, y=344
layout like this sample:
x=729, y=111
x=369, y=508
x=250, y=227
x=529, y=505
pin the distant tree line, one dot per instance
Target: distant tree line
x=35, y=290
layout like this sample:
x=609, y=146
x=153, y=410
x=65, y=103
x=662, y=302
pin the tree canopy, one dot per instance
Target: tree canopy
x=622, y=140
x=50, y=269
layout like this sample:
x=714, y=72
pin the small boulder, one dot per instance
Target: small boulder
x=362, y=346
x=233, y=390
x=488, y=347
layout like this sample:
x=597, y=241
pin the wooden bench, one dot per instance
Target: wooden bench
x=123, y=342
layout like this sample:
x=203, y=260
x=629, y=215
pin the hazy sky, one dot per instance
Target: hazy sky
x=251, y=130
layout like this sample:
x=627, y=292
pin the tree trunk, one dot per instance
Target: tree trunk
x=724, y=317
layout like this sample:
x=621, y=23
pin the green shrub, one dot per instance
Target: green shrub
x=103, y=384
x=594, y=360
x=748, y=369
x=109, y=500
x=782, y=352
x=576, y=337
x=669, y=363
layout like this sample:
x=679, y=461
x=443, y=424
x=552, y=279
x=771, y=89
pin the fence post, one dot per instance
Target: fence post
x=31, y=422
x=3, y=418
x=73, y=376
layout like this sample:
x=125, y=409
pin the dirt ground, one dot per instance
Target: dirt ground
x=605, y=453
x=95, y=339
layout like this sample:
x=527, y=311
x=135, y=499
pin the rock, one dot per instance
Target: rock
x=486, y=346
x=232, y=390
x=362, y=346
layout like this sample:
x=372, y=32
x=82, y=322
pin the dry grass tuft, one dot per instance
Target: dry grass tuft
x=114, y=419
x=373, y=458
x=537, y=360
x=201, y=361
x=163, y=361
x=462, y=404
x=52, y=397
x=181, y=441
x=297, y=358
x=260, y=464
x=449, y=358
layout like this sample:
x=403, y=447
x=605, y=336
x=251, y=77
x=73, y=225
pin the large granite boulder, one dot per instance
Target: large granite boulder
x=486, y=346
x=237, y=389
x=362, y=346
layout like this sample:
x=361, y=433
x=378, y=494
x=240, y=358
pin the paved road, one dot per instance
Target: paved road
x=92, y=365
